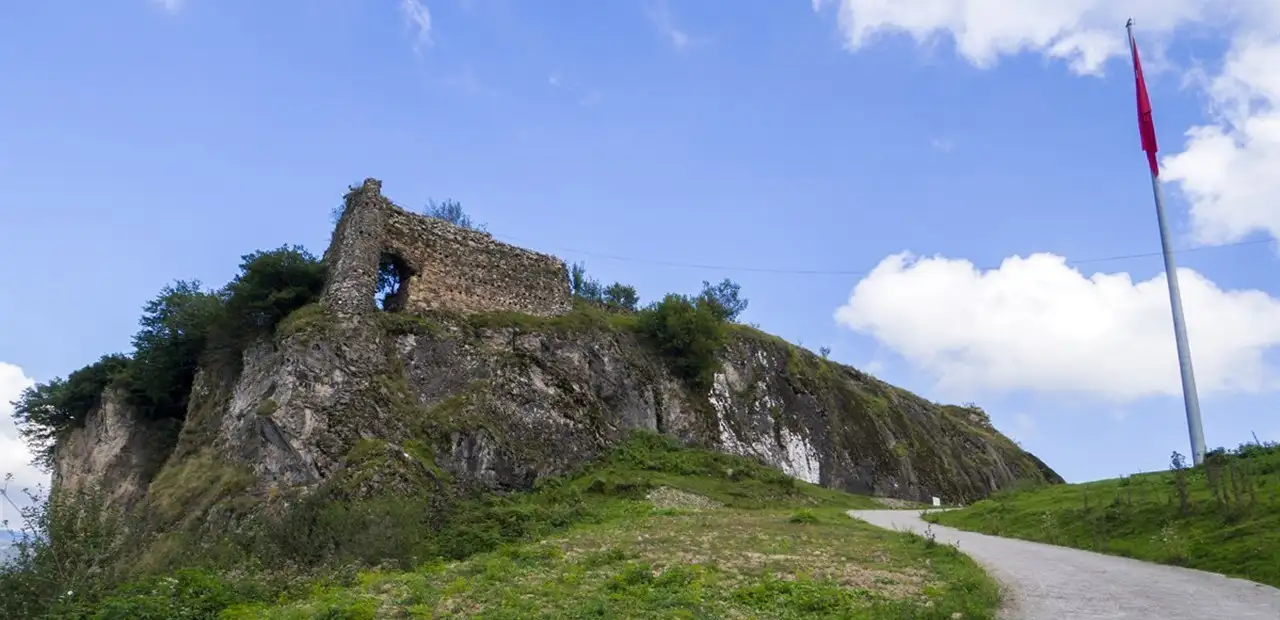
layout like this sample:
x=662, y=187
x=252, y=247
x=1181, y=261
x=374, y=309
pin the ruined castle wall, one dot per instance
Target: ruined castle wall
x=354, y=250
x=449, y=267
x=469, y=271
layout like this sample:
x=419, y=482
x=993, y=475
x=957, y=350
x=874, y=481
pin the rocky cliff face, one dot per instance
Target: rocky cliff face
x=115, y=451
x=500, y=400
x=487, y=376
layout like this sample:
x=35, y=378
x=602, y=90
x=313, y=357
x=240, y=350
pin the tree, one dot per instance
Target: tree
x=619, y=296
x=583, y=286
x=450, y=211
x=271, y=284
x=724, y=298
x=175, y=329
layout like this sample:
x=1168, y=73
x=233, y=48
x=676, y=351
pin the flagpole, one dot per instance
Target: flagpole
x=1189, y=396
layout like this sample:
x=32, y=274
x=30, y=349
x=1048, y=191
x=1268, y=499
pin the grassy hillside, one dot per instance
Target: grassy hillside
x=678, y=533
x=652, y=530
x=1223, y=516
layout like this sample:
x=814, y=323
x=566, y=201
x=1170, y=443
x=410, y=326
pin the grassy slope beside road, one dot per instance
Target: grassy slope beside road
x=1222, y=517
x=651, y=530
x=680, y=533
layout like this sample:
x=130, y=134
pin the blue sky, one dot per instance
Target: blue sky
x=143, y=141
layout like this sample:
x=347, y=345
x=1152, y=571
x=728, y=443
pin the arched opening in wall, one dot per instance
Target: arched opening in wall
x=393, y=282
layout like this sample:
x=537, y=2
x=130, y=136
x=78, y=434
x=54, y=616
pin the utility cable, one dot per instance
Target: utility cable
x=842, y=272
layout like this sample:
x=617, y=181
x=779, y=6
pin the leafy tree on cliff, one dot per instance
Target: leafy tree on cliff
x=48, y=411
x=271, y=284
x=583, y=286
x=723, y=298
x=619, y=296
x=175, y=329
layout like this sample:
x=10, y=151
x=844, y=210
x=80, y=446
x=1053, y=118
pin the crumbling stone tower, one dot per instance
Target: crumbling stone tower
x=440, y=266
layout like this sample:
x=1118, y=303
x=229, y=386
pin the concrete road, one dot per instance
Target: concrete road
x=1045, y=582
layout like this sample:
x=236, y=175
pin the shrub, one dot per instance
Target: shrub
x=450, y=211
x=616, y=297
x=621, y=297
x=688, y=333
x=65, y=554
x=46, y=412
x=189, y=594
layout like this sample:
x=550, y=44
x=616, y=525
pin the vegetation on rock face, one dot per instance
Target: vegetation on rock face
x=179, y=328
x=650, y=529
x=45, y=412
x=687, y=331
x=1223, y=516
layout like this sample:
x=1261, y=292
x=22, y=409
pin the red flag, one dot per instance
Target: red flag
x=1146, y=127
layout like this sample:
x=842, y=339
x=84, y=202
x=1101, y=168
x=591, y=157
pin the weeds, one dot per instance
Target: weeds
x=65, y=551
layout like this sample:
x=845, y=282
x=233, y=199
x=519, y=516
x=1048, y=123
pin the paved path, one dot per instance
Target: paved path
x=1045, y=582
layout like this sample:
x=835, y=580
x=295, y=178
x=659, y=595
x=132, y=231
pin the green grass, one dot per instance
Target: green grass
x=640, y=561
x=1230, y=523
x=649, y=530
x=667, y=532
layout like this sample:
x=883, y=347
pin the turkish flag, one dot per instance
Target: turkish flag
x=1146, y=127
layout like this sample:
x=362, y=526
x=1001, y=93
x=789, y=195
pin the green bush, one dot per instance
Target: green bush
x=66, y=553
x=451, y=211
x=325, y=529
x=620, y=297
x=688, y=333
x=190, y=594
x=617, y=297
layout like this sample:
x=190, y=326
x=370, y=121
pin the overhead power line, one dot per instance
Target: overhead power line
x=849, y=272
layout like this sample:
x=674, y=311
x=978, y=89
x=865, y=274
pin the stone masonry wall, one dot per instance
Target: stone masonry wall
x=448, y=267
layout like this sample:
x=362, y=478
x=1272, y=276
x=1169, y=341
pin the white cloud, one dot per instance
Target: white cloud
x=1226, y=168
x=14, y=457
x=418, y=18
x=942, y=145
x=660, y=15
x=172, y=6
x=1036, y=324
x=1084, y=33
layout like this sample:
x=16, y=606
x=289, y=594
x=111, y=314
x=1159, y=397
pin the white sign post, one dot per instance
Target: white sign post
x=937, y=502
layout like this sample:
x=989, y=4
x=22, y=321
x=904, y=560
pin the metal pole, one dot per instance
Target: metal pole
x=1189, y=396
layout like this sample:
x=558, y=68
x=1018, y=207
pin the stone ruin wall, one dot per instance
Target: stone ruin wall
x=443, y=267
